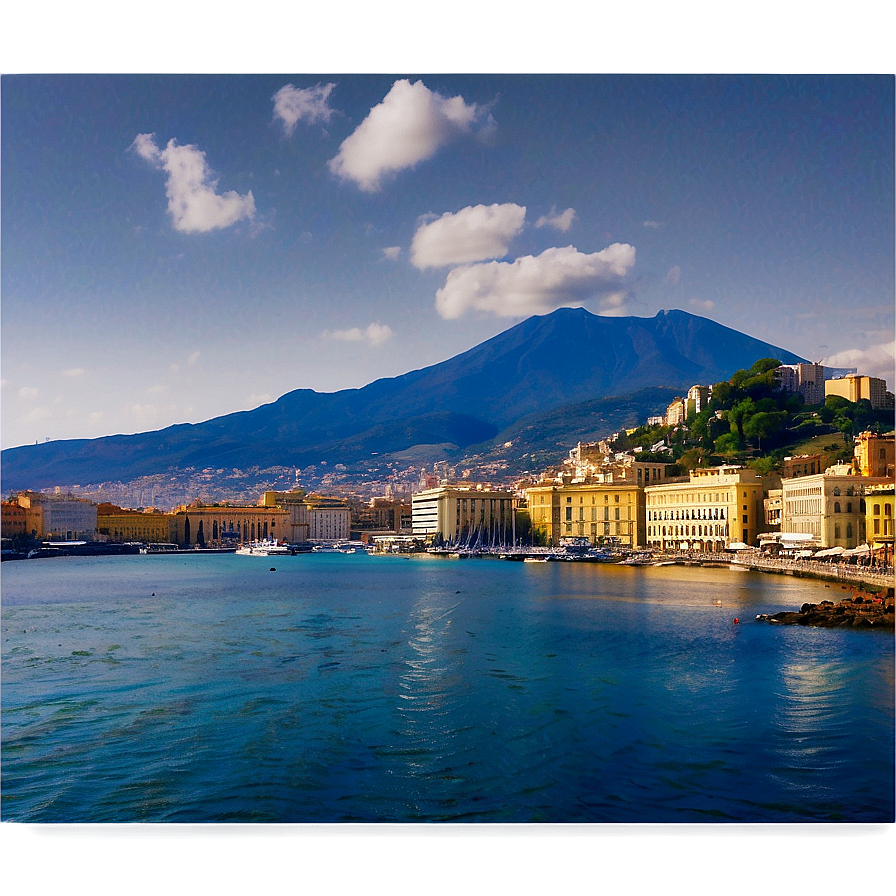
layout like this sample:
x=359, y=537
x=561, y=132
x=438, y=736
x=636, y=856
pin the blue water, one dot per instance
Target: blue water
x=354, y=688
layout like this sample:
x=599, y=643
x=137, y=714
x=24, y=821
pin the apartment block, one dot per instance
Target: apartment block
x=599, y=512
x=463, y=515
x=717, y=507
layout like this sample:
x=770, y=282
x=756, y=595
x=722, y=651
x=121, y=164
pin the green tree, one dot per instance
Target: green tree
x=727, y=444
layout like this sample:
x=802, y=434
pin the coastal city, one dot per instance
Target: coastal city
x=625, y=498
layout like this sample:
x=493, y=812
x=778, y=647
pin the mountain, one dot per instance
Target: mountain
x=541, y=364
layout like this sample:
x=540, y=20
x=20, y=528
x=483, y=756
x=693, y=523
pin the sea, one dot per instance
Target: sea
x=337, y=688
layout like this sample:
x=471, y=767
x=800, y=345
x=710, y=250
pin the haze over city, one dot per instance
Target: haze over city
x=189, y=246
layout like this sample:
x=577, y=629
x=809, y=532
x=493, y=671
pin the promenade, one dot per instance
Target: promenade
x=816, y=569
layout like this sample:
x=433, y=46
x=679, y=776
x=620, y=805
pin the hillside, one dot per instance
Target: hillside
x=537, y=366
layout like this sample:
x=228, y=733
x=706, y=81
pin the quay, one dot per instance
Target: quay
x=816, y=569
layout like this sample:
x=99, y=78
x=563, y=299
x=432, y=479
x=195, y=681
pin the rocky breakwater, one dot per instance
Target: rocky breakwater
x=856, y=611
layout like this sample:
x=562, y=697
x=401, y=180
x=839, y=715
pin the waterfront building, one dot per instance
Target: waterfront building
x=806, y=379
x=381, y=516
x=463, y=515
x=879, y=521
x=829, y=505
x=214, y=525
x=600, y=512
x=716, y=507
x=13, y=524
x=854, y=387
x=329, y=519
x=875, y=455
x=62, y=517
x=148, y=526
x=774, y=509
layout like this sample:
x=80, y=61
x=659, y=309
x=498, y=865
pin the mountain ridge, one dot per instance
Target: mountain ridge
x=543, y=362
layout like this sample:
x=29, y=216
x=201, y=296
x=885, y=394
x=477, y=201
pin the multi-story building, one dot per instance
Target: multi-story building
x=854, y=387
x=58, y=516
x=806, y=379
x=803, y=465
x=329, y=519
x=698, y=399
x=828, y=505
x=147, y=526
x=612, y=512
x=13, y=520
x=879, y=521
x=875, y=455
x=457, y=514
x=774, y=509
x=222, y=524
x=676, y=412
x=717, y=507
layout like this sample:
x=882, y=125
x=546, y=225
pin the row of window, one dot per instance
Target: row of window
x=705, y=513
x=717, y=530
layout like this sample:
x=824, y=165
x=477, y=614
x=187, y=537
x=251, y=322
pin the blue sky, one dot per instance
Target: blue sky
x=179, y=247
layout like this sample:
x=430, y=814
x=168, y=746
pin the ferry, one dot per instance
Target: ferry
x=267, y=547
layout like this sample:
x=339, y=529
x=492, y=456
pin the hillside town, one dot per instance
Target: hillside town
x=625, y=493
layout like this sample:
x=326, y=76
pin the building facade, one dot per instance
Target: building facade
x=879, y=521
x=830, y=506
x=60, y=517
x=806, y=379
x=461, y=515
x=853, y=387
x=603, y=513
x=875, y=455
x=215, y=525
x=147, y=526
x=717, y=507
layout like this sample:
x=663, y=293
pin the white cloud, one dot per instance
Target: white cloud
x=375, y=334
x=158, y=389
x=74, y=372
x=703, y=304
x=653, y=225
x=475, y=233
x=29, y=392
x=95, y=417
x=878, y=360
x=193, y=204
x=673, y=278
x=408, y=126
x=537, y=284
x=295, y=104
x=562, y=221
x=193, y=358
x=35, y=415
x=392, y=252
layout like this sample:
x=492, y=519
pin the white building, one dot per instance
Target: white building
x=463, y=514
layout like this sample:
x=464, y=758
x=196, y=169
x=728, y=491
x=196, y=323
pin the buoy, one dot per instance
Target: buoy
x=718, y=603
x=273, y=569
x=736, y=620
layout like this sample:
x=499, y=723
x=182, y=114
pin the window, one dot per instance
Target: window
x=836, y=507
x=745, y=520
x=849, y=530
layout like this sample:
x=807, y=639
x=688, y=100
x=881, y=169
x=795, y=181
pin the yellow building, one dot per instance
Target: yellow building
x=146, y=526
x=222, y=524
x=879, y=521
x=853, y=387
x=717, y=507
x=601, y=513
x=875, y=455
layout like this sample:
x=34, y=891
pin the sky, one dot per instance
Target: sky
x=176, y=247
